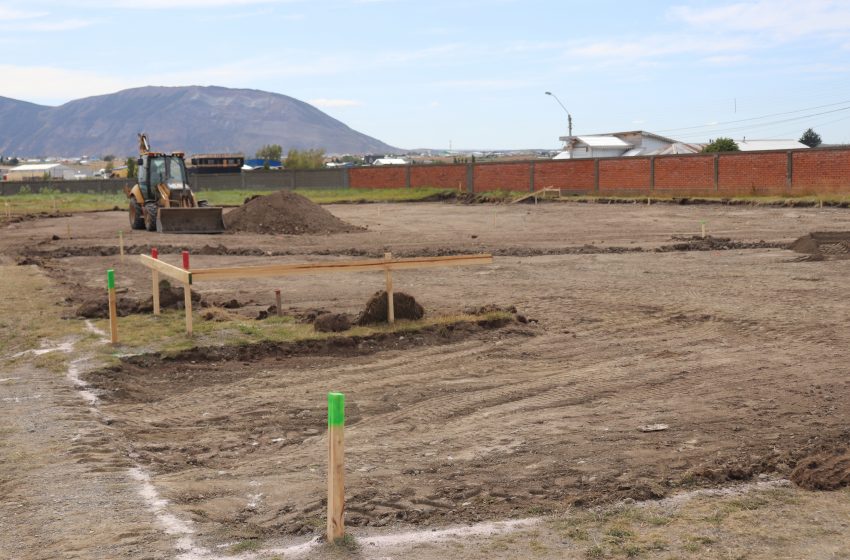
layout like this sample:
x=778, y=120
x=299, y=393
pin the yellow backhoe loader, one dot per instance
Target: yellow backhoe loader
x=162, y=200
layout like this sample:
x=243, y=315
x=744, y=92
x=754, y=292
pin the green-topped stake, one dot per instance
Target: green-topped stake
x=336, y=466
x=113, y=308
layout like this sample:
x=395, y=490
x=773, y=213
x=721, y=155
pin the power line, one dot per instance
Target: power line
x=752, y=118
x=762, y=125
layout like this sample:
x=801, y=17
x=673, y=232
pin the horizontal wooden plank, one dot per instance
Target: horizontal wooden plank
x=177, y=273
x=350, y=266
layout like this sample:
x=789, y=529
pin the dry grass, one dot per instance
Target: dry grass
x=167, y=333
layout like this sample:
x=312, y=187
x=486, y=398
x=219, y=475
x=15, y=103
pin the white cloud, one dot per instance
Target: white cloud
x=10, y=14
x=40, y=83
x=47, y=25
x=726, y=59
x=657, y=46
x=782, y=19
x=333, y=103
x=176, y=4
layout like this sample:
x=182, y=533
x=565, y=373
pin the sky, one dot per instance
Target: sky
x=465, y=74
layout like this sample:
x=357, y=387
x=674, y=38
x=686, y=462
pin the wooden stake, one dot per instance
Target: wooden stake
x=8, y=210
x=54, y=204
x=68, y=230
x=278, y=303
x=702, y=225
x=336, y=466
x=187, y=296
x=121, y=244
x=390, y=299
x=113, y=307
x=155, y=287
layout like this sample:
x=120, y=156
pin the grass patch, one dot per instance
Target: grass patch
x=248, y=545
x=166, y=333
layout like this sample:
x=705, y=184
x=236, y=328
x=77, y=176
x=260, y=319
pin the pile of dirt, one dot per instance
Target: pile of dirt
x=710, y=243
x=332, y=322
x=823, y=471
x=284, y=212
x=824, y=244
x=94, y=304
x=404, y=307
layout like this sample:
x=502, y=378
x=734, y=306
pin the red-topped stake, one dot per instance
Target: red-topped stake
x=154, y=253
x=185, y=260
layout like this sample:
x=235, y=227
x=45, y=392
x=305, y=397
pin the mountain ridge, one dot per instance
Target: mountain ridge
x=193, y=119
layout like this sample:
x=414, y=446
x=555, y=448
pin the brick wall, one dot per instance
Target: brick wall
x=438, y=176
x=818, y=171
x=748, y=174
x=821, y=172
x=684, y=175
x=578, y=176
x=502, y=177
x=386, y=177
x=625, y=176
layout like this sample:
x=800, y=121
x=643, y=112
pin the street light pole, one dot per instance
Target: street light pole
x=569, y=116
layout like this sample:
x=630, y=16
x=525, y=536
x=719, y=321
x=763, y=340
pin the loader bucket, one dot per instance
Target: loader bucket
x=189, y=220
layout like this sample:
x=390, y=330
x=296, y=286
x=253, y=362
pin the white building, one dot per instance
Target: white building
x=38, y=171
x=621, y=144
x=755, y=145
x=390, y=161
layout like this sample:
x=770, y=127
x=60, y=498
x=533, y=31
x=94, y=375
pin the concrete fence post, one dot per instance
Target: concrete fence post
x=407, y=176
x=470, y=178
x=596, y=175
x=789, y=172
x=531, y=177
x=716, y=172
x=651, y=173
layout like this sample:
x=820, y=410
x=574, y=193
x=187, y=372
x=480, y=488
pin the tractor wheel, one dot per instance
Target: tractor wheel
x=137, y=218
x=150, y=216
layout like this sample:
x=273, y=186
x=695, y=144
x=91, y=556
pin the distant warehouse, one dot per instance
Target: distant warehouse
x=39, y=171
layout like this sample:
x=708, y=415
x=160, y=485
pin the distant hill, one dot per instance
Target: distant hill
x=192, y=119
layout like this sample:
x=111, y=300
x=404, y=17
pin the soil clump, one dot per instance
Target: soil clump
x=284, y=212
x=820, y=245
x=823, y=471
x=332, y=322
x=404, y=306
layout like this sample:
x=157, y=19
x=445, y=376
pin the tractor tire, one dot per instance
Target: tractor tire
x=137, y=217
x=203, y=204
x=150, y=216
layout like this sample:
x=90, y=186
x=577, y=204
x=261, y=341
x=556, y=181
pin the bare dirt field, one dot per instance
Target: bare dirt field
x=736, y=345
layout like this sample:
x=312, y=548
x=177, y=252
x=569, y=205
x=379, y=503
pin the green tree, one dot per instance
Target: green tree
x=131, y=167
x=305, y=159
x=811, y=139
x=270, y=152
x=721, y=145
x=110, y=167
x=108, y=158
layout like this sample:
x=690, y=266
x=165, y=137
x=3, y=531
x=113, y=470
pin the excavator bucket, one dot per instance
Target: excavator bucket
x=190, y=220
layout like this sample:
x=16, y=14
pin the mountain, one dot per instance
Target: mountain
x=192, y=119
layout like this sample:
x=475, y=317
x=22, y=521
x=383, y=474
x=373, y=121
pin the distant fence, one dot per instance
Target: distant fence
x=819, y=171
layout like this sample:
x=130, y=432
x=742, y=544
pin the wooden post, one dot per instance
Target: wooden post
x=187, y=296
x=8, y=210
x=68, y=230
x=390, y=299
x=121, y=244
x=155, y=287
x=277, y=303
x=113, y=307
x=702, y=225
x=336, y=466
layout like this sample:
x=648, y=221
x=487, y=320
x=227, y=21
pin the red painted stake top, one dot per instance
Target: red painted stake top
x=154, y=253
x=186, y=260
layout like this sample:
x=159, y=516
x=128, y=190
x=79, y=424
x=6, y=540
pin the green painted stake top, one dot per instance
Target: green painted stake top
x=110, y=279
x=336, y=409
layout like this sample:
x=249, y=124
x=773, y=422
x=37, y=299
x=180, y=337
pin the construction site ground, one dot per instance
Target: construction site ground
x=651, y=363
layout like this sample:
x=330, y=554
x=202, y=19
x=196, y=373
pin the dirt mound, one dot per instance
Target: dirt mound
x=823, y=244
x=95, y=305
x=332, y=322
x=823, y=471
x=284, y=212
x=404, y=307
